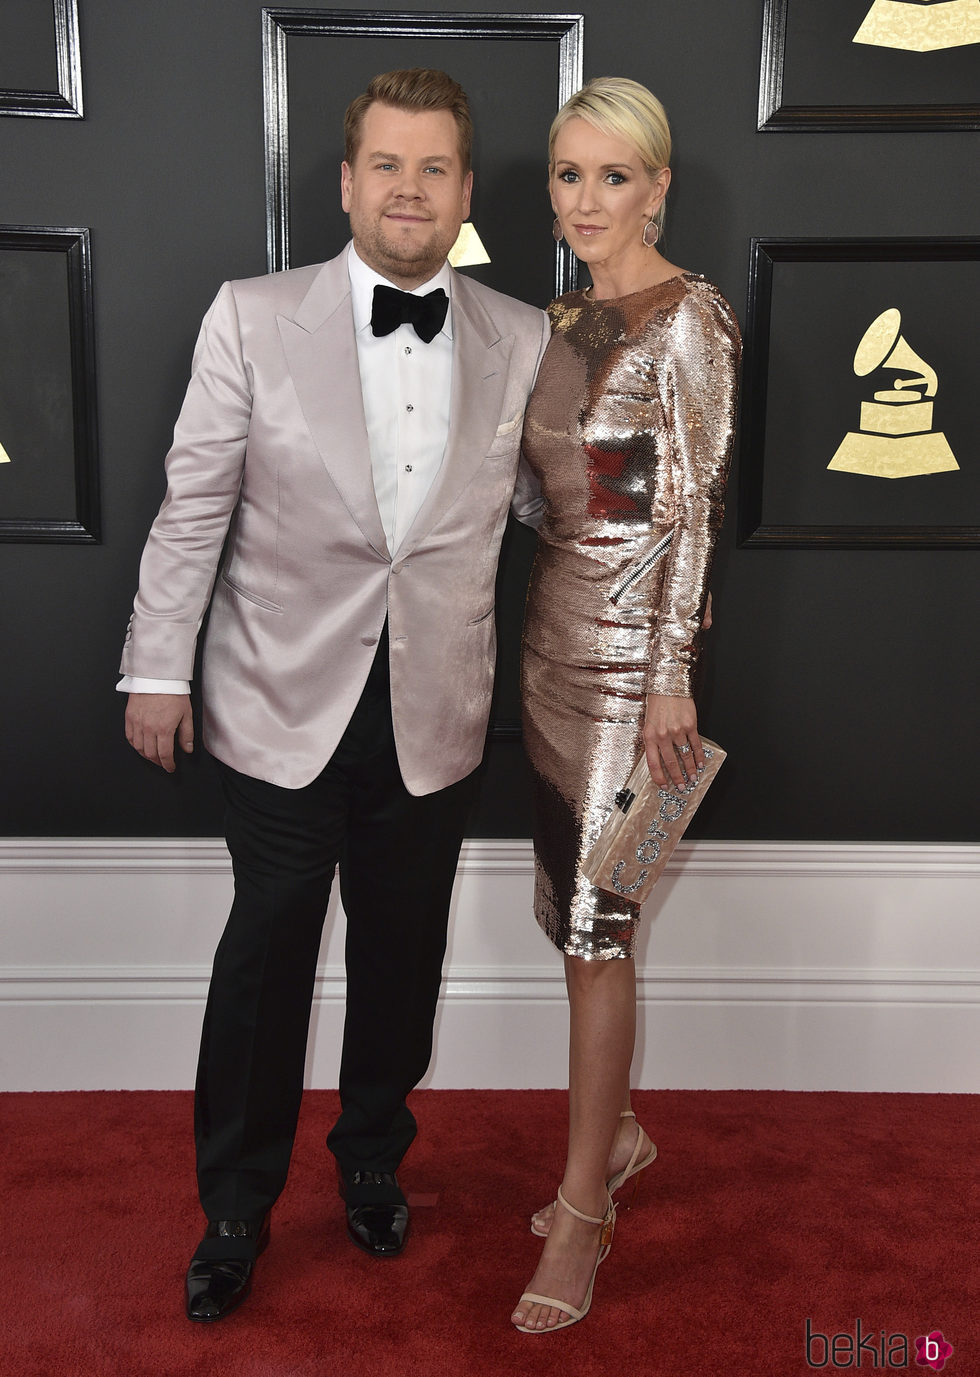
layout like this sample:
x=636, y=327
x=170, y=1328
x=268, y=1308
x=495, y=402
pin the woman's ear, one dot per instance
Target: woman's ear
x=658, y=187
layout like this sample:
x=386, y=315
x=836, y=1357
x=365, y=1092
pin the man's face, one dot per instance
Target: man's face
x=406, y=193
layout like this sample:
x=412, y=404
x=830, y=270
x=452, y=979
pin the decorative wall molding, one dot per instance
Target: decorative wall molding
x=108, y=984
x=149, y=855
x=54, y=436
x=66, y=101
x=762, y=965
x=562, y=32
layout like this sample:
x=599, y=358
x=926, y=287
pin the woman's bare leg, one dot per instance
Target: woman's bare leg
x=602, y=1032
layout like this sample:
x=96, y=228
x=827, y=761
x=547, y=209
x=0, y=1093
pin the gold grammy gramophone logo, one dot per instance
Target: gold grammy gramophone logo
x=921, y=26
x=468, y=249
x=896, y=439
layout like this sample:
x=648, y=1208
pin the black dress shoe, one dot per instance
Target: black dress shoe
x=217, y=1285
x=377, y=1212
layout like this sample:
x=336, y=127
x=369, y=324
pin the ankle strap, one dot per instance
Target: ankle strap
x=627, y=1114
x=586, y=1218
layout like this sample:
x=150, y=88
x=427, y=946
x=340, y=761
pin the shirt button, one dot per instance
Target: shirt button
x=410, y=407
x=408, y=468
x=408, y=348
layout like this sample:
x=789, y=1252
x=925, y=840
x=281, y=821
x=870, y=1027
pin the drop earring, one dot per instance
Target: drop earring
x=651, y=233
x=556, y=231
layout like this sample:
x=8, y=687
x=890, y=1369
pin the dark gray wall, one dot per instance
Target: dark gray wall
x=842, y=682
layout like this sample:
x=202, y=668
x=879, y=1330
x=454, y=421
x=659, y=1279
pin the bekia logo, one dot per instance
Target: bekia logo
x=932, y=1350
x=882, y=1352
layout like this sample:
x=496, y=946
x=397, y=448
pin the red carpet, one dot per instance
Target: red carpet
x=765, y=1210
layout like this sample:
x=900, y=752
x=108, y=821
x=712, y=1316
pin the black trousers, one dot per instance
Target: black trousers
x=397, y=856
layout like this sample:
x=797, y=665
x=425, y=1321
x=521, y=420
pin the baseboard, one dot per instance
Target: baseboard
x=761, y=966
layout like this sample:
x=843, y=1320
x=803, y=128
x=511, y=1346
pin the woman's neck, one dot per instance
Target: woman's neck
x=623, y=279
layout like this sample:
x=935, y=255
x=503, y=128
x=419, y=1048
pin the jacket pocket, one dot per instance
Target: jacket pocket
x=250, y=596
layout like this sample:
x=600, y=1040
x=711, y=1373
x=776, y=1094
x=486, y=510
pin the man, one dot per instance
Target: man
x=361, y=468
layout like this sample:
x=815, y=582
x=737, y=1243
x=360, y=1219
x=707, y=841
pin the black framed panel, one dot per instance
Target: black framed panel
x=874, y=64
x=49, y=489
x=40, y=65
x=859, y=421
x=516, y=69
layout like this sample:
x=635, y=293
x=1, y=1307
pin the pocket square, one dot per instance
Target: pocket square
x=508, y=426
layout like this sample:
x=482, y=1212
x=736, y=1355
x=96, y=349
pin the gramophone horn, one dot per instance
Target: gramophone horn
x=882, y=346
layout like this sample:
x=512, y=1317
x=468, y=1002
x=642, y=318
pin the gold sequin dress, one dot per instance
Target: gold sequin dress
x=629, y=430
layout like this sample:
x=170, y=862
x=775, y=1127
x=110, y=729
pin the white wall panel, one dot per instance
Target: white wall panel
x=784, y=966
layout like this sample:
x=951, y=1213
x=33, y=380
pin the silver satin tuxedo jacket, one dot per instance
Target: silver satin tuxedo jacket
x=271, y=450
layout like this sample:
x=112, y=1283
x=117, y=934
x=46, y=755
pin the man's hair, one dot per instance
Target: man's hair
x=419, y=88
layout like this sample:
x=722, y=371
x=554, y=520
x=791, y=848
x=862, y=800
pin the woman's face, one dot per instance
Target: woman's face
x=602, y=194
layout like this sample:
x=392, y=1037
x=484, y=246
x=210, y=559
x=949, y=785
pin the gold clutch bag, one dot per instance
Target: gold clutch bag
x=645, y=825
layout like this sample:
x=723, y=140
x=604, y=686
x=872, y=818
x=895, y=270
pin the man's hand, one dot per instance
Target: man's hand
x=152, y=722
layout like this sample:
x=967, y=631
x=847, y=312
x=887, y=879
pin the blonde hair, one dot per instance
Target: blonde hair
x=622, y=109
x=417, y=88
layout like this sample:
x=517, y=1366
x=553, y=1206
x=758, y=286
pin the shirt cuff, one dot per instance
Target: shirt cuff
x=129, y=683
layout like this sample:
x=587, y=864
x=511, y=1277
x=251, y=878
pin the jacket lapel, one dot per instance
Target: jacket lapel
x=322, y=357
x=480, y=358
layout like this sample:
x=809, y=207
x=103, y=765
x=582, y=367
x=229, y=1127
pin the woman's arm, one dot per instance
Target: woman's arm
x=700, y=396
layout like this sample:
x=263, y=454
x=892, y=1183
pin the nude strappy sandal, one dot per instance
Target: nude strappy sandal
x=633, y=1167
x=608, y=1222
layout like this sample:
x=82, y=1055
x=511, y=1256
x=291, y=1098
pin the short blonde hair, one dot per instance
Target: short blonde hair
x=622, y=109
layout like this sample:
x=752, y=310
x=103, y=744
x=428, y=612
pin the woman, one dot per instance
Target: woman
x=629, y=429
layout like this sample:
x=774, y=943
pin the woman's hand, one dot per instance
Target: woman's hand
x=670, y=735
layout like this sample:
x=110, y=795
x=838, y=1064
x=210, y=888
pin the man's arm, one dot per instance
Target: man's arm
x=528, y=504
x=179, y=564
x=204, y=475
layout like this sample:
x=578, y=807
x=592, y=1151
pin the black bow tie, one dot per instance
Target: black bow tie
x=393, y=308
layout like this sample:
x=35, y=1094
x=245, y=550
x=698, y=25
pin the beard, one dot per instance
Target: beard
x=401, y=256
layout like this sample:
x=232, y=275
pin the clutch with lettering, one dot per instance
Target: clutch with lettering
x=645, y=825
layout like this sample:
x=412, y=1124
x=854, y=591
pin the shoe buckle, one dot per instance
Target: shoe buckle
x=233, y=1228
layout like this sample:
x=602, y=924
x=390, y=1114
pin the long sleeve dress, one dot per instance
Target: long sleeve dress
x=629, y=430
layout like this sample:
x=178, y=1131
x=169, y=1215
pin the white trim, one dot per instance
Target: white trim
x=87, y=984
x=779, y=965
x=194, y=855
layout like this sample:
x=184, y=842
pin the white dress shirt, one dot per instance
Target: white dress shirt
x=406, y=387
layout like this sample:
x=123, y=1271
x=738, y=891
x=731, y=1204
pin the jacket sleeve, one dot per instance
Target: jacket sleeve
x=204, y=473
x=699, y=401
x=528, y=504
